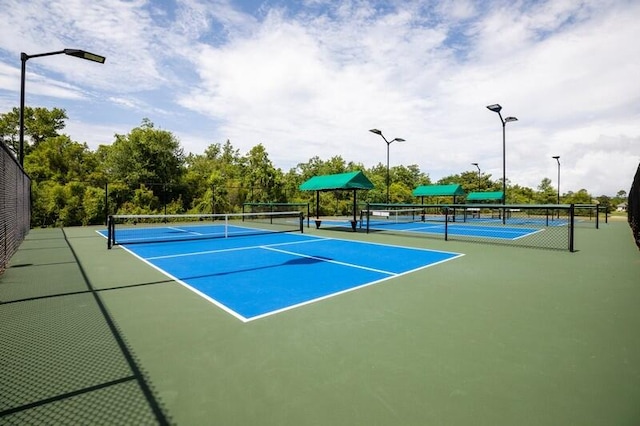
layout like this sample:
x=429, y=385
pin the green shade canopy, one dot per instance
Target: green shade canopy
x=351, y=180
x=485, y=196
x=438, y=191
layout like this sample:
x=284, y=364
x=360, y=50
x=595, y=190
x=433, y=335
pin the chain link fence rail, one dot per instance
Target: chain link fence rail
x=303, y=208
x=15, y=205
x=590, y=215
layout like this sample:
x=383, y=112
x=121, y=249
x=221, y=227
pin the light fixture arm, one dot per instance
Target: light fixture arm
x=379, y=132
x=82, y=54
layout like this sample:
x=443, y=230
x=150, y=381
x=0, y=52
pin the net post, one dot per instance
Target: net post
x=597, y=216
x=226, y=225
x=301, y=222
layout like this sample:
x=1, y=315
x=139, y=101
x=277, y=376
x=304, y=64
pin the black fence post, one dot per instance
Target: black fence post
x=446, y=223
x=571, y=227
x=110, y=232
x=106, y=203
x=368, y=216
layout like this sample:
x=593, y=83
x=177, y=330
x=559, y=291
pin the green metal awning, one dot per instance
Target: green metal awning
x=351, y=180
x=438, y=191
x=485, y=196
x=341, y=181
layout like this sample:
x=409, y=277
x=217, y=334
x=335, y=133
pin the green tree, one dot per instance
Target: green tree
x=215, y=181
x=621, y=197
x=146, y=156
x=546, y=193
x=199, y=180
x=62, y=172
x=93, y=206
x=469, y=181
x=263, y=179
x=409, y=177
x=60, y=159
x=378, y=177
x=39, y=124
x=143, y=202
x=521, y=195
x=57, y=204
x=605, y=203
x=580, y=197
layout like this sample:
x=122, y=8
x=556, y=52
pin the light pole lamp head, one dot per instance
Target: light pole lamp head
x=376, y=131
x=508, y=119
x=495, y=107
x=557, y=158
x=83, y=54
x=398, y=140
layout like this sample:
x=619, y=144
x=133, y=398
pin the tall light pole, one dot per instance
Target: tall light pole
x=24, y=58
x=476, y=164
x=557, y=158
x=378, y=132
x=497, y=108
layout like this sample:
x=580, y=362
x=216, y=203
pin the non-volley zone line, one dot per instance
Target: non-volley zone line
x=265, y=278
x=241, y=247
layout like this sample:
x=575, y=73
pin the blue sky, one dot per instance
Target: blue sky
x=311, y=77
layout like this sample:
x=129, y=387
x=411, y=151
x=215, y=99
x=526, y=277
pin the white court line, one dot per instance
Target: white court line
x=351, y=265
x=200, y=253
x=307, y=302
x=185, y=231
x=193, y=289
x=349, y=290
x=478, y=232
x=526, y=235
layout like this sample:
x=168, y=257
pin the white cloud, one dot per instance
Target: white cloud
x=310, y=78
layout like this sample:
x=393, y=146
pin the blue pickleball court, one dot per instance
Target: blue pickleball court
x=255, y=276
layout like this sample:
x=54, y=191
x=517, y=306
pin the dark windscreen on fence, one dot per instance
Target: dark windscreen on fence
x=633, y=207
x=15, y=205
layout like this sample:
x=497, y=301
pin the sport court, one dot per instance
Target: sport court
x=504, y=335
x=260, y=273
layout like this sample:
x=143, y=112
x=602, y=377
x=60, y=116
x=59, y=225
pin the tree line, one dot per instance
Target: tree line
x=147, y=172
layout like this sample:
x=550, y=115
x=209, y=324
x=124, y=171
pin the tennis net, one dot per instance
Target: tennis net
x=136, y=229
x=544, y=226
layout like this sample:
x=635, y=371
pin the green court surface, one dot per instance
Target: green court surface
x=501, y=336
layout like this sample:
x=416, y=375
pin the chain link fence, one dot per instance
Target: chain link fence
x=536, y=226
x=15, y=205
